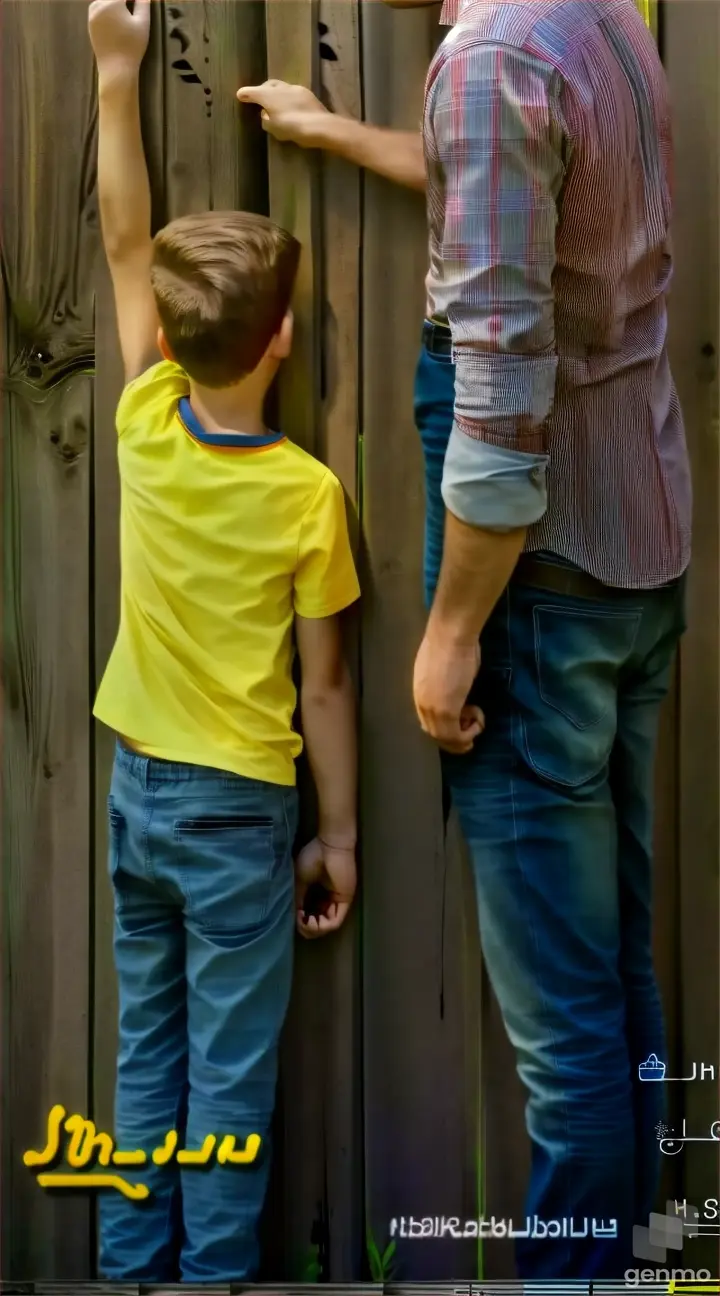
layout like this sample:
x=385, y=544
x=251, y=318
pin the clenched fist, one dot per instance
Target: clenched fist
x=332, y=869
x=118, y=36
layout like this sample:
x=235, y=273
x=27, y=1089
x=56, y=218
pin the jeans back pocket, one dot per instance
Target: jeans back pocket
x=228, y=864
x=570, y=712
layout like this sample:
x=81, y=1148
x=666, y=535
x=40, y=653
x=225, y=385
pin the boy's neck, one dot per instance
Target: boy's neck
x=237, y=409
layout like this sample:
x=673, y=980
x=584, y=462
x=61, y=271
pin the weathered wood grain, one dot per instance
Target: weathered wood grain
x=420, y=1124
x=338, y=446
x=49, y=238
x=294, y=178
x=691, y=51
x=214, y=151
x=320, y=1022
x=339, y=45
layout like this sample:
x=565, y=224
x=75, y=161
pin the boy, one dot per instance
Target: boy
x=230, y=536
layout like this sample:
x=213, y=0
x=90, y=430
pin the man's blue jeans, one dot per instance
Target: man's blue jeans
x=201, y=868
x=555, y=803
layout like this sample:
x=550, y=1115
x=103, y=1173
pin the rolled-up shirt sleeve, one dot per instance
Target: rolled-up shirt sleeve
x=496, y=130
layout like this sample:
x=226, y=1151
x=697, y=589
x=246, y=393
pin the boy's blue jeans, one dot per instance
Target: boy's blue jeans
x=201, y=868
x=555, y=803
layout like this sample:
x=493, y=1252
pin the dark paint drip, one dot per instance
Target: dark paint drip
x=187, y=72
x=181, y=38
x=183, y=67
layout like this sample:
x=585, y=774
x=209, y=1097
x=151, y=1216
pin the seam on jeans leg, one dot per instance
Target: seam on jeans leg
x=289, y=843
x=532, y=933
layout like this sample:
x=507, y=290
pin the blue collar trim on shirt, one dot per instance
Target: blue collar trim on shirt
x=193, y=425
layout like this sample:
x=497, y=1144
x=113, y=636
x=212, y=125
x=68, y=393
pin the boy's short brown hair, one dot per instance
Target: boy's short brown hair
x=222, y=283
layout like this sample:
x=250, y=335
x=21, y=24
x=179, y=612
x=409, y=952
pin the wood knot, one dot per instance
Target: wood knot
x=37, y=364
x=45, y=368
x=70, y=439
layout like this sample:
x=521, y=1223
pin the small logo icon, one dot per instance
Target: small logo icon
x=652, y=1069
x=664, y=1233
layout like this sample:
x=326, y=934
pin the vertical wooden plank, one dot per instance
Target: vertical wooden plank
x=691, y=49
x=339, y=46
x=340, y=970
x=294, y=180
x=214, y=151
x=420, y=1126
x=49, y=238
x=313, y=1152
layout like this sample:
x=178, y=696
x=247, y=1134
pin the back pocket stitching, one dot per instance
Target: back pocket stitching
x=235, y=824
x=211, y=825
x=552, y=775
x=604, y=614
x=116, y=823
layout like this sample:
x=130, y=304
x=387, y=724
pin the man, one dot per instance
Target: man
x=554, y=439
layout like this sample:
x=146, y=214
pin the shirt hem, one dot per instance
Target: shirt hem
x=204, y=760
x=630, y=581
x=329, y=609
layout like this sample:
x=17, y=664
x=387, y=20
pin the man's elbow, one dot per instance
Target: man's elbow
x=418, y=168
x=493, y=488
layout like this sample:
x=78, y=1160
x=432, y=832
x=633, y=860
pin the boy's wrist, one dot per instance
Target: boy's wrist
x=118, y=76
x=338, y=836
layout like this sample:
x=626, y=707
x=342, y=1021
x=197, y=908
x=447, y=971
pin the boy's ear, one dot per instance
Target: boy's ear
x=164, y=346
x=281, y=345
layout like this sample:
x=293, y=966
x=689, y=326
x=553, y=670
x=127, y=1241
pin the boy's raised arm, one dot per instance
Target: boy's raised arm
x=119, y=39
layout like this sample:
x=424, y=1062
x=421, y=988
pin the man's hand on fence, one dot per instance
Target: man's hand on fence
x=289, y=112
x=118, y=36
x=332, y=870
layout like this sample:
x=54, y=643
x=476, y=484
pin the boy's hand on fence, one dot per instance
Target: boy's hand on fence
x=118, y=36
x=289, y=112
x=333, y=873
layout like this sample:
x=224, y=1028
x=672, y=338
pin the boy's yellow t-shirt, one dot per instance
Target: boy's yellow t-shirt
x=223, y=540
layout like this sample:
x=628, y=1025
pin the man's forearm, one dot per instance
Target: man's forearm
x=396, y=155
x=476, y=568
x=123, y=183
x=329, y=729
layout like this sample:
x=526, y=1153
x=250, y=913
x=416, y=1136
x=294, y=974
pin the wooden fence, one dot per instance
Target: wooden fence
x=398, y=1093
